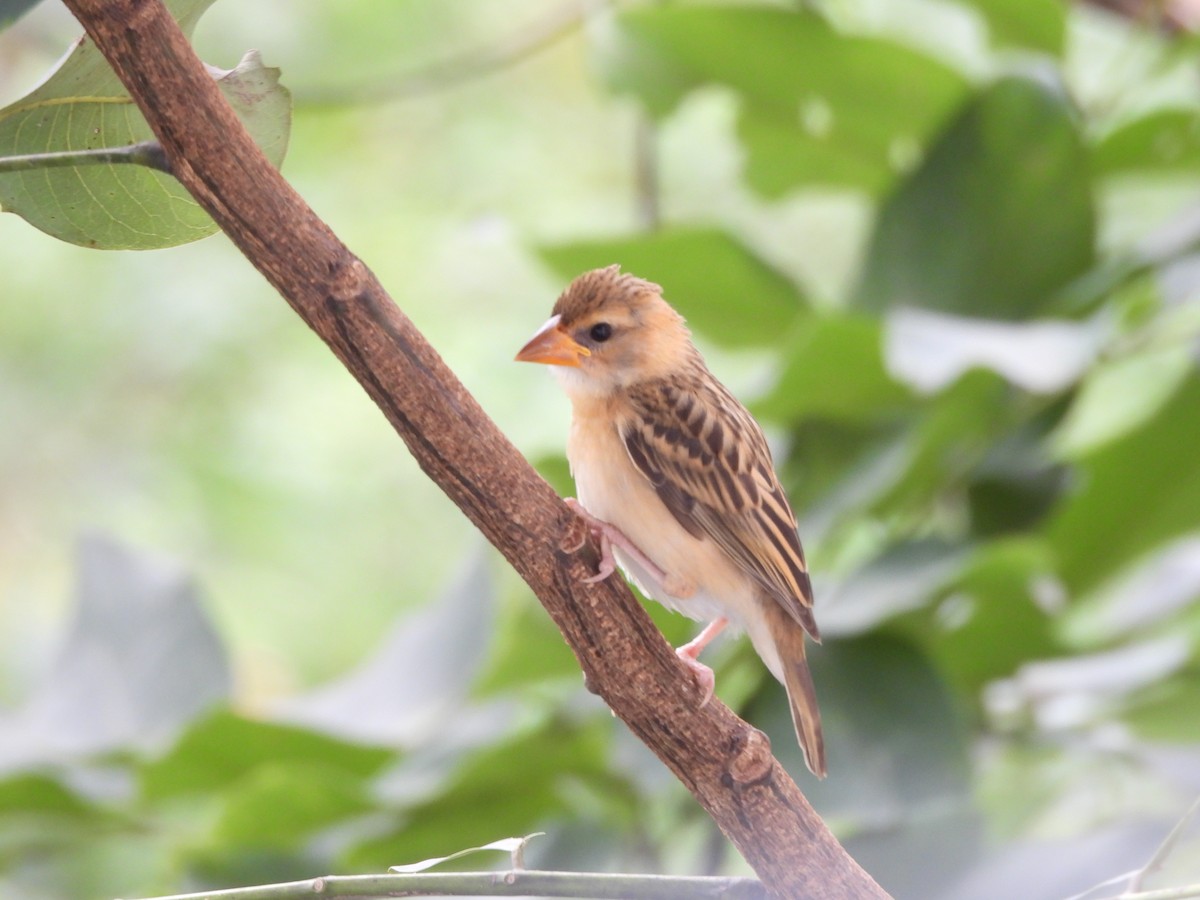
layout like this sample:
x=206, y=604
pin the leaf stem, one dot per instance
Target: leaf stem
x=145, y=153
x=1164, y=850
x=1176, y=893
x=461, y=68
x=497, y=884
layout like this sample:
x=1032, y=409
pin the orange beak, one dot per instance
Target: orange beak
x=553, y=346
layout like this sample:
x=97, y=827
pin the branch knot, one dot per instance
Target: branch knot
x=751, y=761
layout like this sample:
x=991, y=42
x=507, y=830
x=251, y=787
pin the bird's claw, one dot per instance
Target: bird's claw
x=601, y=533
x=576, y=536
x=706, y=681
x=607, y=564
x=688, y=653
x=608, y=536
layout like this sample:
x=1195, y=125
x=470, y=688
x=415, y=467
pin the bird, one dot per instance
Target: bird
x=674, y=478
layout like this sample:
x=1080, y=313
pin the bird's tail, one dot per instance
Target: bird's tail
x=791, y=667
x=806, y=716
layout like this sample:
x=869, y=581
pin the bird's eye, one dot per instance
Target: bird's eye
x=600, y=332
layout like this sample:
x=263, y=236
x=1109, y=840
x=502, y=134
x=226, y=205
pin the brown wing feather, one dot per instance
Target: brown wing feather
x=710, y=464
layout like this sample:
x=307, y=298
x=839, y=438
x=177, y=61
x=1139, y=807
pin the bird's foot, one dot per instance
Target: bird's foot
x=689, y=652
x=706, y=681
x=608, y=536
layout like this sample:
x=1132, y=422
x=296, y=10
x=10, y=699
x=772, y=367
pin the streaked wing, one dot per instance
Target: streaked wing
x=710, y=464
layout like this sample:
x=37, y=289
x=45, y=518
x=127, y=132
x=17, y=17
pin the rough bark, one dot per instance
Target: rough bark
x=722, y=760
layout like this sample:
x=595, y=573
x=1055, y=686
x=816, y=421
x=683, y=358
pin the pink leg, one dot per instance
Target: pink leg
x=689, y=652
x=608, y=536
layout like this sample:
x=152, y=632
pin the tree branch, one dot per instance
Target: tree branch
x=1166, y=16
x=724, y=762
x=496, y=884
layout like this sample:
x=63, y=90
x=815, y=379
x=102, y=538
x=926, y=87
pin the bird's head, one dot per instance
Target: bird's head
x=610, y=331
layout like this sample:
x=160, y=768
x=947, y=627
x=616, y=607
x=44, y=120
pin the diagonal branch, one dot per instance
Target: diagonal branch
x=724, y=762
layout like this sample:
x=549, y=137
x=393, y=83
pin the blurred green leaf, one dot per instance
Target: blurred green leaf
x=834, y=467
x=421, y=674
x=1158, y=591
x=726, y=292
x=819, y=107
x=895, y=741
x=555, y=469
x=83, y=105
x=1006, y=502
x=278, y=805
x=1026, y=24
x=905, y=577
x=223, y=748
x=1119, y=396
x=528, y=649
x=1165, y=141
x=1015, y=487
x=782, y=155
x=970, y=231
x=954, y=833
x=1134, y=493
x=1166, y=712
x=42, y=795
x=1053, y=780
x=139, y=660
x=834, y=368
x=11, y=10
x=929, y=350
x=947, y=440
x=989, y=622
x=519, y=783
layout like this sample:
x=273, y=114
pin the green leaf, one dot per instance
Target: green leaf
x=140, y=660
x=861, y=685
x=782, y=156
x=82, y=105
x=1026, y=24
x=820, y=107
x=989, y=623
x=528, y=650
x=997, y=218
x=519, y=783
x=835, y=369
x=1166, y=712
x=1133, y=494
x=947, y=442
x=1166, y=140
x=223, y=748
x=1012, y=498
x=279, y=805
x=419, y=676
x=1119, y=397
x=11, y=10
x=904, y=578
x=1156, y=593
x=28, y=794
x=725, y=291
x=556, y=470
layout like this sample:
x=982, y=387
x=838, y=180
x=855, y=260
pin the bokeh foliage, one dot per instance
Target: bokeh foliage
x=987, y=416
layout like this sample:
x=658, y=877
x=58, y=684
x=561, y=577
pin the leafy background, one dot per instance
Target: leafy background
x=945, y=250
